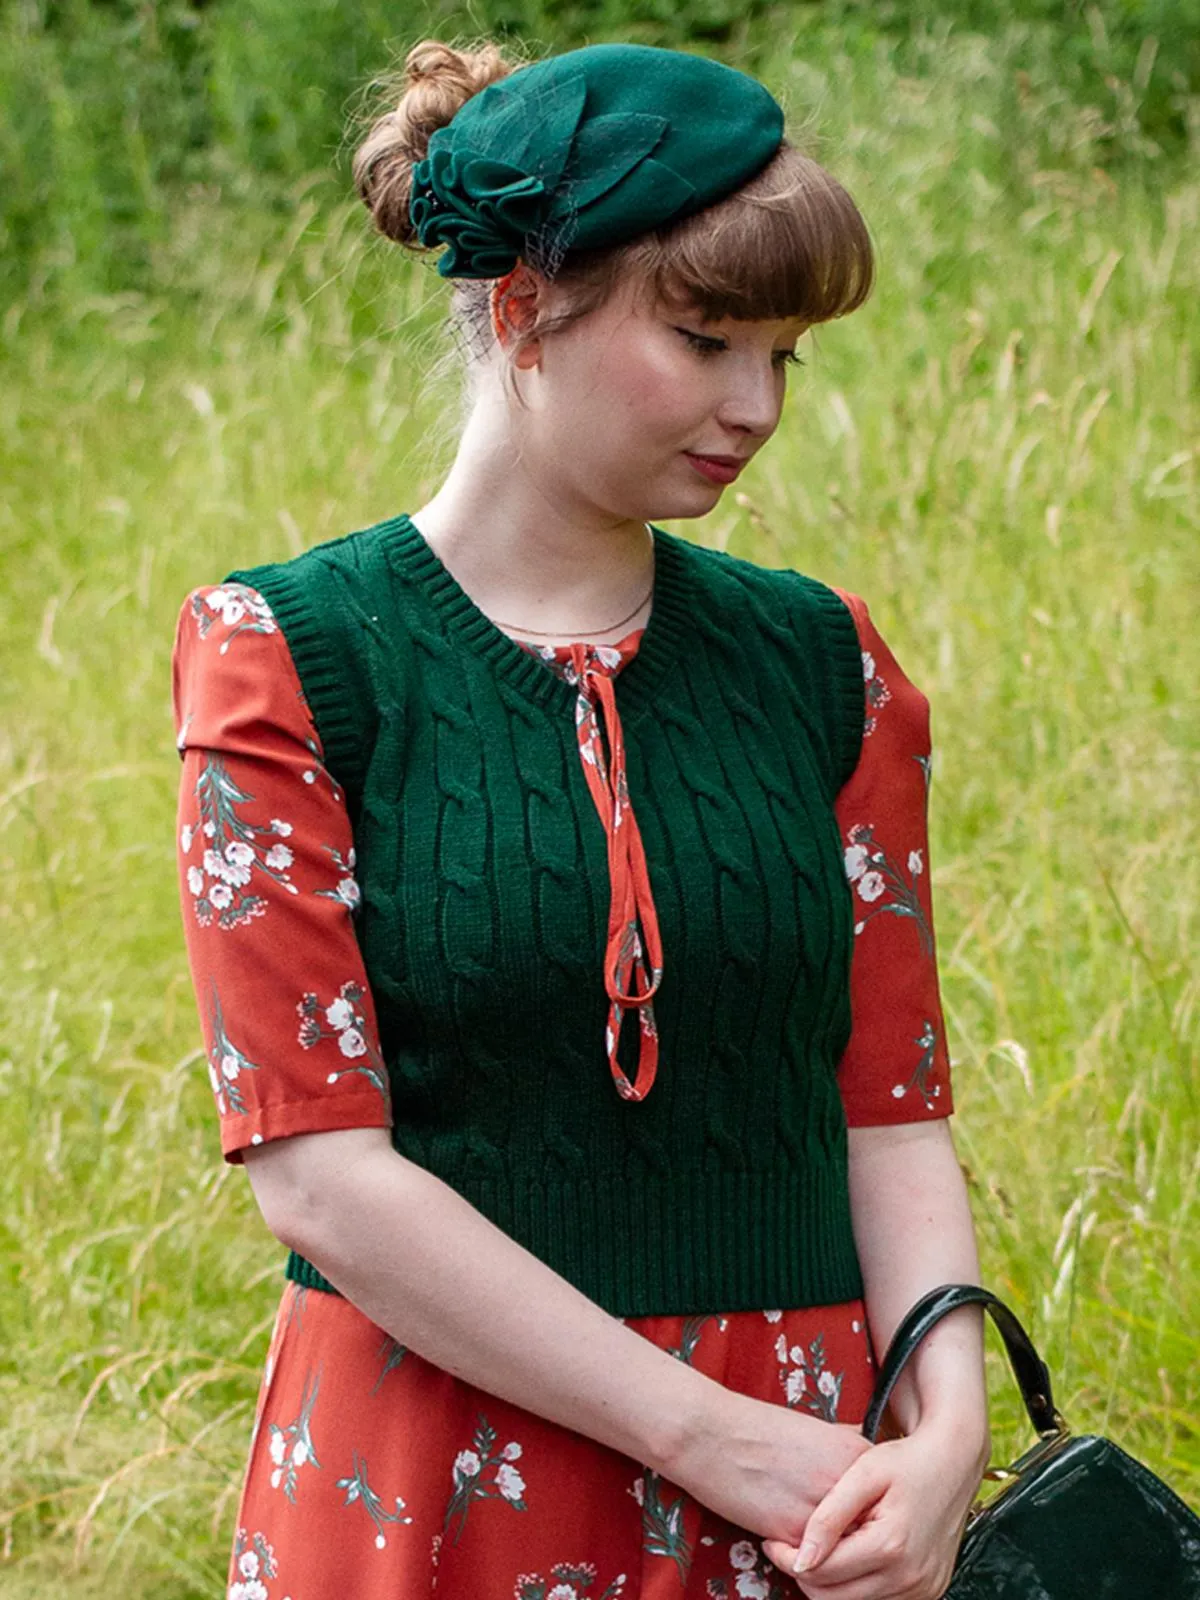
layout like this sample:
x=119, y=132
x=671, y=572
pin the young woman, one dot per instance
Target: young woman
x=578, y=1308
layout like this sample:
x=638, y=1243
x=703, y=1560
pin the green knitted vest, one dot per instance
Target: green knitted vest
x=485, y=897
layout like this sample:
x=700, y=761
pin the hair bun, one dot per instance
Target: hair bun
x=437, y=80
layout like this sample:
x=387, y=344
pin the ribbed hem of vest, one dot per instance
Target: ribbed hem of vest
x=679, y=1245
x=306, y=1275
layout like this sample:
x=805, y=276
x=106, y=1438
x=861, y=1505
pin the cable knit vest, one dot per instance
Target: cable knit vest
x=485, y=897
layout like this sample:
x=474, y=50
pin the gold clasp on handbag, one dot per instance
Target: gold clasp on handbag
x=1049, y=1440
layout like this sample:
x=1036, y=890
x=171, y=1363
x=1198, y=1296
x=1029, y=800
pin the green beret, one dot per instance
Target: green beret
x=586, y=149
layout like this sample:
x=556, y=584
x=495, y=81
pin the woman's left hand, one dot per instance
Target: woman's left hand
x=890, y=1528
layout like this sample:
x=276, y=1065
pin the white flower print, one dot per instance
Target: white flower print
x=574, y=1580
x=253, y=1560
x=240, y=608
x=226, y=1062
x=752, y=1586
x=346, y=889
x=345, y=1021
x=291, y=1446
x=856, y=862
x=926, y=1042
x=358, y=1490
x=236, y=852
x=511, y=1451
x=881, y=883
x=253, y=1590
x=870, y=886
x=351, y=1043
x=752, y=1576
x=876, y=691
x=282, y=828
x=808, y=1383
x=773, y=1316
x=470, y=1478
x=340, y=1014
x=312, y=773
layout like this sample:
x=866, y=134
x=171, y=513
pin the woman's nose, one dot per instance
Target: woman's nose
x=753, y=401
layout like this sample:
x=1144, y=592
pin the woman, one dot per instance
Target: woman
x=577, y=1308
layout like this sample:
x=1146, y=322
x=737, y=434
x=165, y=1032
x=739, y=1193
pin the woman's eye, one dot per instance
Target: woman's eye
x=701, y=343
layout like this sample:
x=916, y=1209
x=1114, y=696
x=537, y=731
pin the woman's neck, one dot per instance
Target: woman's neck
x=541, y=569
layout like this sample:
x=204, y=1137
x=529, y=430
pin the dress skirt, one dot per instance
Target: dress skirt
x=376, y=1475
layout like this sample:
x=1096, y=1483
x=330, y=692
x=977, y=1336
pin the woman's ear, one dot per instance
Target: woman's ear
x=515, y=299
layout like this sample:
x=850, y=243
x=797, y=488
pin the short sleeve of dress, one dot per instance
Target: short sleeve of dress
x=266, y=873
x=896, y=1067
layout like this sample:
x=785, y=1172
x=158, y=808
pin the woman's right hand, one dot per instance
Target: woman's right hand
x=763, y=1466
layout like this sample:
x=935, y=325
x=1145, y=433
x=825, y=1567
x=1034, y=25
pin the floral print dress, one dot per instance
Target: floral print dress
x=371, y=1471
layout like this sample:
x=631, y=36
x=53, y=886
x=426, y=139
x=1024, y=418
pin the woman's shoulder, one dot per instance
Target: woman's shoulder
x=331, y=561
x=233, y=680
x=225, y=610
x=727, y=575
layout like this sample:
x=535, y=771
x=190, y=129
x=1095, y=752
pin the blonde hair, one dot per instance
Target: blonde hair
x=789, y=243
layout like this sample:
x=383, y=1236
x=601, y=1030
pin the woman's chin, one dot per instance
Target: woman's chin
x=695, y=500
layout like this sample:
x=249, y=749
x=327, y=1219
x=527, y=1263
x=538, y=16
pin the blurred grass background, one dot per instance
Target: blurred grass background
x=207, y=361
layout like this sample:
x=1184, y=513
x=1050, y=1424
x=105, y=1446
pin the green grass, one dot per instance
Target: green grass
x=1000, y=453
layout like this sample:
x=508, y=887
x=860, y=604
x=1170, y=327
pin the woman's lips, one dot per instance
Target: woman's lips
x=715, y=468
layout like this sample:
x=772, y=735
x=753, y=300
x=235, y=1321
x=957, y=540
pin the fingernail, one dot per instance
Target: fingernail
x=807, y=1557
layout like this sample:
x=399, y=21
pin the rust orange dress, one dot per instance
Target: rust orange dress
x=373, y=1473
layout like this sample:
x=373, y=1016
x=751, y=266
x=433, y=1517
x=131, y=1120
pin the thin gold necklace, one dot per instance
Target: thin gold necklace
x=550, y=633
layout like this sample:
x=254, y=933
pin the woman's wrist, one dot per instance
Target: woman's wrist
x=962, y=1440
x=700, y=1427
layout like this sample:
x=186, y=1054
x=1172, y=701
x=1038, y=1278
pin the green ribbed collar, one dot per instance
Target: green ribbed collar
x=638, y=683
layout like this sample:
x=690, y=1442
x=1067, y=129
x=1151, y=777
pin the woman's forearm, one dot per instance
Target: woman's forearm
x=429, y=1269
x=913, y=1227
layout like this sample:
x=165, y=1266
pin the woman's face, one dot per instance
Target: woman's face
x=623, y=401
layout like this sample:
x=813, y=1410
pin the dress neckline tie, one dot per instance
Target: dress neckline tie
x=633, y=964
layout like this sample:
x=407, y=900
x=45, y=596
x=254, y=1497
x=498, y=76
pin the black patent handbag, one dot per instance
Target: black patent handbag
x=1075, y=1517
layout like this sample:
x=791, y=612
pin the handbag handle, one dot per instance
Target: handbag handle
x=1029, y=1369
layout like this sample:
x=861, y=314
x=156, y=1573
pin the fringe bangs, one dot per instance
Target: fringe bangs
x=790, y=243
